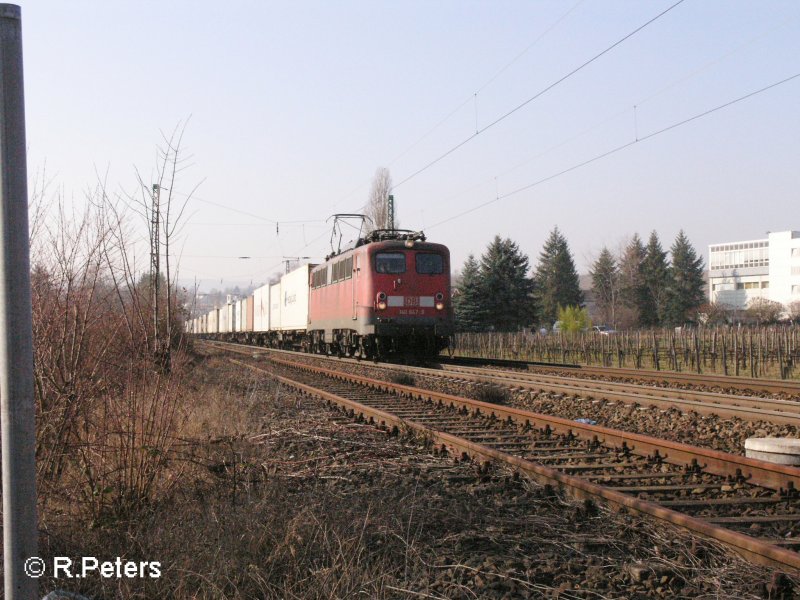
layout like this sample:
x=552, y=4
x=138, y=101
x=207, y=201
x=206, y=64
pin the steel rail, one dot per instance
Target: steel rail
x=738, y=382
x=719, y=463
x=775, y=410
x=753, y=549
x=748, y=408
x=702, y=379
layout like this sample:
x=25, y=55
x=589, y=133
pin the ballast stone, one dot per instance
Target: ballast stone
x=781, y=451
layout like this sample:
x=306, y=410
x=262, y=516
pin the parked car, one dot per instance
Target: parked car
x=604, y=330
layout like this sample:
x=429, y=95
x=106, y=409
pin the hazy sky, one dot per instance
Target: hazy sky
x=294, y=105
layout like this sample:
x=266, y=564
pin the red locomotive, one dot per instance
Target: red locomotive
x=388, y=294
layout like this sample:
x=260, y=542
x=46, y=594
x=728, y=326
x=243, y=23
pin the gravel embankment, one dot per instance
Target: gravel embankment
x=709, y=431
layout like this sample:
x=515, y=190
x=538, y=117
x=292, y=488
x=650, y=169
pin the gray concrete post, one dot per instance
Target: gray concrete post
x=17, y=412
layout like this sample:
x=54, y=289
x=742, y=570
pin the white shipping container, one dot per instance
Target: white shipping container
x=224, y=318
x=213, y=321
x=237, y=319
x=275, y=307
x=261, y=308
x=294, y=299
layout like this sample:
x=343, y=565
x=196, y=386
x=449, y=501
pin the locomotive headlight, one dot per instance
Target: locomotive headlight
x=381, y=305
x=381, y=300
x=409, y=243
x=439, y=300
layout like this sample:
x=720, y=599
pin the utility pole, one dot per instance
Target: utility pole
x=290, y=259
x=20, y=523
x=155, y=259
x=391, y=212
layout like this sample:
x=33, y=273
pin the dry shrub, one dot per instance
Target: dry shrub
x=403, y=379
x=494, y=394
x=128, y=440
x=107, y=412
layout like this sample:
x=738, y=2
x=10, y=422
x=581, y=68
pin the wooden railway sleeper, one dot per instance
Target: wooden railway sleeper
x=546, y=458
x=636, y=461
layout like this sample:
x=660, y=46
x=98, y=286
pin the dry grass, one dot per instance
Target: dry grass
x=264, y=496
x=403, y=379
x=492, y=393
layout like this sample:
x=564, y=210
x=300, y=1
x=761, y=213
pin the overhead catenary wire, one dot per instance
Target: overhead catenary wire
x=616, y=149
x=498, y=196
x=638, y=104
x=249, y=214
x=539, y=94
x=471, y=98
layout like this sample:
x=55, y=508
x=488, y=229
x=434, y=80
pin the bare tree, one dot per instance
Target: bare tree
x=163, y=213
x=715, y=313
x=378, y=203
x=763, y=311
x=794, y=310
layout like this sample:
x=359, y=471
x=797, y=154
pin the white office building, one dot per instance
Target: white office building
x=766, y=268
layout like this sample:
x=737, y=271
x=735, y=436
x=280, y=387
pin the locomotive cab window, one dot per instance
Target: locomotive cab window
x=390, y=262
x=430, y=264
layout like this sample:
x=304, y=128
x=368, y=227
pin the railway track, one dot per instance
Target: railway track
x=749, y=505
x=727, y=382
x=748, y=408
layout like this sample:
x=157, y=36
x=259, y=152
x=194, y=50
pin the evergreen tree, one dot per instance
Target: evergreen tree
x=470, y=313
x=507, y=300
x=605, y=285
x=556, y=279
x=656, y=280
x=686, y=290
x=631, y=284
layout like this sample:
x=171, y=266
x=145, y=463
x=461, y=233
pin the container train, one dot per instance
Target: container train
x=388, y=294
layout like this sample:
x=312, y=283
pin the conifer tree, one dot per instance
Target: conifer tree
x=556, y=279
x=605, y=285
x=631, y=283
x=656, y=280
x=507, y=301
x=686, y=289
x=470, y=313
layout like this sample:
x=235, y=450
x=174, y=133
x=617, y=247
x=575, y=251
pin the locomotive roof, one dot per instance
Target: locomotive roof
x=401, y=245
x=386, y=245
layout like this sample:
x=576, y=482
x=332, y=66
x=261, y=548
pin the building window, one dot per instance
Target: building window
x=739, y=256
x=795, y=252
x=764, y=284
